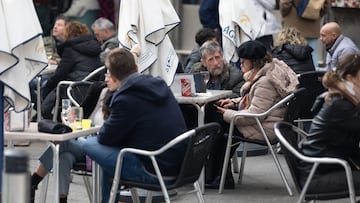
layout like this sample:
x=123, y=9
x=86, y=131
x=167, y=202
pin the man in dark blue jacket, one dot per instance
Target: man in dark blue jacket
x=144, y=115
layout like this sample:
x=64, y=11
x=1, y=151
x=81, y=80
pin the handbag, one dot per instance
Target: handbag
x=309, y=9
x=50, y=126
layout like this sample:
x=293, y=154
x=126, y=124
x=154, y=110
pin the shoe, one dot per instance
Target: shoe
x=229, y=183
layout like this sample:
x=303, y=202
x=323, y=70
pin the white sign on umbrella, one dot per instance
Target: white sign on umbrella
x=238, y=25
x=22, y=52
x=147, y=23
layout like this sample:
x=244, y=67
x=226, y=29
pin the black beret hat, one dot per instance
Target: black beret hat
x=252, y=50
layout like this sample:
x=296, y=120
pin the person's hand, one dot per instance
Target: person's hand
x=225, y=103
x=219, y=109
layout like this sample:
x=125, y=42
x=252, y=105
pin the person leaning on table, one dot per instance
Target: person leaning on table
x=268, y=80
x=335, y=130
x=144, y=115
x=71, y=151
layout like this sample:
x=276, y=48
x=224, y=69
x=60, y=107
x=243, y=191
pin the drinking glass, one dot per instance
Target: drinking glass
x=75, y=118
x=205, y=76
x=65, y=108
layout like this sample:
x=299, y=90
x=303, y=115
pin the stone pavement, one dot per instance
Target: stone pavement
x=261, y=183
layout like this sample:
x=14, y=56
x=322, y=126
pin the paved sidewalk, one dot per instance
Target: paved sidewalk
x=261, y=183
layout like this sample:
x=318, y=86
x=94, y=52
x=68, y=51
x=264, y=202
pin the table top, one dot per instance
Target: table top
x=31, y=133
x=203, y=98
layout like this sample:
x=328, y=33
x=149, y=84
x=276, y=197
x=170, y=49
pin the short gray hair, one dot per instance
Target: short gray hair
x=210, y=47
x=102, y=24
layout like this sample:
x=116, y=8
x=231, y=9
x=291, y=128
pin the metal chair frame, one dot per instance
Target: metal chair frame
x=315, y=160
x=257, y=117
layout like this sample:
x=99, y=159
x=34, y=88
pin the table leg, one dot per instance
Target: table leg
x=201, y=121
x=38, y=98
x=55, y=148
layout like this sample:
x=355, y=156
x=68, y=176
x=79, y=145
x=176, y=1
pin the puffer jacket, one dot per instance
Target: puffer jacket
x=298, y=57
x=273, y=82
x=334, y=132
x=80, y=56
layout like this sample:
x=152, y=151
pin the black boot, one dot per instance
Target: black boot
x=35, y=180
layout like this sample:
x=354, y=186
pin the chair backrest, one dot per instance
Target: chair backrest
x=312, y=82
x=76, y=92
x=295, y=105
x=288, y=138
x=199, y=147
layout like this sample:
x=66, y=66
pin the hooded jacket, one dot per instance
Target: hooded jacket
x=145, y=115
x=273, y=82
x=298, y=57
x=80, y=56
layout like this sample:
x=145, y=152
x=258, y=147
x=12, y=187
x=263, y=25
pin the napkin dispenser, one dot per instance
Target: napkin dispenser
x=15, y=120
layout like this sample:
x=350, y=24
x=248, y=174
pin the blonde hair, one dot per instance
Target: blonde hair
x=290, y=35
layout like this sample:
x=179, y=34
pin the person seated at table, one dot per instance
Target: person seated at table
x=106, y=34
x=223, y=76
x=55, y=52
x=80, y=56
x=142, y=107
x=292, y=48
x=71, y=151
x=202, y=35
x=334, y=131
x=268, y=80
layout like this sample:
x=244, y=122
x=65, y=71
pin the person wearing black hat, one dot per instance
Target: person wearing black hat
x=268, y=80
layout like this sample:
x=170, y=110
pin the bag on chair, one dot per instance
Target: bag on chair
x=309, y=9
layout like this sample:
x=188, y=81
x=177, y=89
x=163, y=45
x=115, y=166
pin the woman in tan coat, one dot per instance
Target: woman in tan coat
x=268, y=80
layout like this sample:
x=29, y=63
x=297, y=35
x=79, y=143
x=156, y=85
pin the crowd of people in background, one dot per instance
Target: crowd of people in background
x=131, y=111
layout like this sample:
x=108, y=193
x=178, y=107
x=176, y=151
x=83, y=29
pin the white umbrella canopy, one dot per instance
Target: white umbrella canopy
x=239, y=24
x=147, y=24
x=22, y=51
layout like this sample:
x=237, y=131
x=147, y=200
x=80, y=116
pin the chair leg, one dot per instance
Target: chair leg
x=44, y=188
x=148, y=197
x=134, y=195
x=198, y=192
x=235, y=163
x=280, y=170
x=242, y=162
x=88, y=186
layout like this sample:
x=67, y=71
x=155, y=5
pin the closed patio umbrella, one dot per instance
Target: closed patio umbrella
x=22, y=55
x=147, y=24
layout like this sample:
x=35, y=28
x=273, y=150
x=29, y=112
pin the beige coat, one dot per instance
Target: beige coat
x=308, y=28
x=273, y=82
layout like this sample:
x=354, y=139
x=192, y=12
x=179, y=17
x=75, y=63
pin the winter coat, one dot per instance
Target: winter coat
x=308, y=28
x=298, y=57
x=80, y=56
x=334, y=132
x=230, y=79
x=273, y=82
x=342, y=46
x=145, y=115
x=110, y=43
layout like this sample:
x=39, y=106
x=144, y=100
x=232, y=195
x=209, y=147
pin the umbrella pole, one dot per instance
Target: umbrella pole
x=1, y=131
